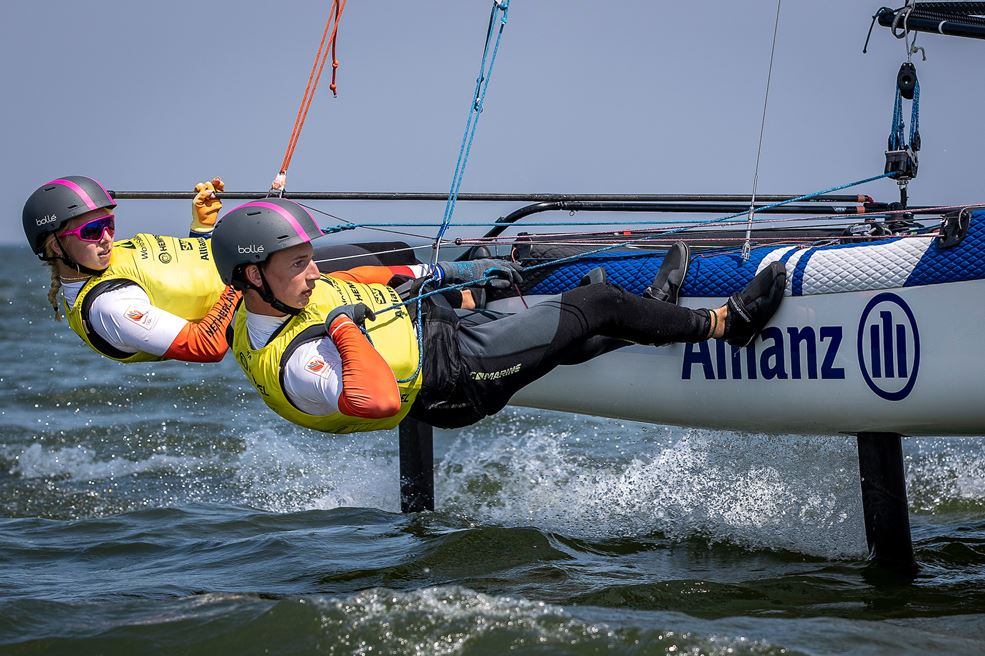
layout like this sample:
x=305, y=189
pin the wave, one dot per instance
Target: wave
x=756, y=491
x=578, y=477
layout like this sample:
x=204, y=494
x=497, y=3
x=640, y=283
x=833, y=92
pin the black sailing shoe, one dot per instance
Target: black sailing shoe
x=478, y=252
x=667, y=283
x=752, y=308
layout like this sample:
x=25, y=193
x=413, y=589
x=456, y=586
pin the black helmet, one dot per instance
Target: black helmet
x=253, y=232
x=55, y=202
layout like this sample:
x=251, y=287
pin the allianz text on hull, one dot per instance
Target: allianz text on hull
x=908, y=360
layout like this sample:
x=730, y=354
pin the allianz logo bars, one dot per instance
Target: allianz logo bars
x=887, y=347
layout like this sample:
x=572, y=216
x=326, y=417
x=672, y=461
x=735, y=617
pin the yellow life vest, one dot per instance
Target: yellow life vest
x=391, y=333
x=178, y=276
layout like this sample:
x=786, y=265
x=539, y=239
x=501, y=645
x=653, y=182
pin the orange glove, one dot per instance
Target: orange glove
x=205, y=206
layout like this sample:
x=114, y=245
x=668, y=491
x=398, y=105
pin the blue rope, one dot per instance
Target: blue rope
x=915, y=114
x=478, y=100
x=898, y=127
x=340, y=228
x=475, y=108
x=419, y=329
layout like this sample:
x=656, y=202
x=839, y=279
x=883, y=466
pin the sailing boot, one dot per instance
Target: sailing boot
x=666, y=285
x=750, y=309
x=479, y=252
x=596, y=276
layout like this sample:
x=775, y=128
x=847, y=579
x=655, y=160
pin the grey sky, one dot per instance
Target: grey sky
x=633, y=96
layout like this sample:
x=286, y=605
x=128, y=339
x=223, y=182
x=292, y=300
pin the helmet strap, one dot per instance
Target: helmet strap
x=67, y=259
x=269, y=298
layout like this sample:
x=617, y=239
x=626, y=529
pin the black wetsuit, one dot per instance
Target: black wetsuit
x=474, y=363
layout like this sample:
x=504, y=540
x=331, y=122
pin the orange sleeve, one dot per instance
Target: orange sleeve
x=369, y=389
x=205, y=340
x=371, y=274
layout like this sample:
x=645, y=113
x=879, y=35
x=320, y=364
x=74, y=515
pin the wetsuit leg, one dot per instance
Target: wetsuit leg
x=502, y=356
x=575, y=354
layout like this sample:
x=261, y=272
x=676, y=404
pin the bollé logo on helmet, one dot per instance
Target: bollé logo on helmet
x=252, y=249
x=46, y=219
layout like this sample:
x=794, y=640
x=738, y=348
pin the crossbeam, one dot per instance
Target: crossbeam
x=488, y=197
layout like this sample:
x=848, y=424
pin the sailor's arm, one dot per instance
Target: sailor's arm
x=205, y=340
x=461, y=298
x=381, y=274
x=126, y=319
x=341, y=373
x=369, y=388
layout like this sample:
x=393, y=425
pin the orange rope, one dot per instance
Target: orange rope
x=316, y=70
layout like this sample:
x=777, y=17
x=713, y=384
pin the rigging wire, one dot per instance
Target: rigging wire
x=726, y=218
x=384, y=252
x=596, y=240
x=348, y=225
x=680, y=226
x=317, y=66
x=501, y=10
x=642, y=236
x=561, y=260
x=762, y=129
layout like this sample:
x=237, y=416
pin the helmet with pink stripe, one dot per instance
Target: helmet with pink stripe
x=253, y=232
x=57, y=201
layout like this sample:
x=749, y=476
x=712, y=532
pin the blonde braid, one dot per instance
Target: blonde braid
x=56, y=281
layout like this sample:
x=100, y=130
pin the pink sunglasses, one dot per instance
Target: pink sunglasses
x=92, y=231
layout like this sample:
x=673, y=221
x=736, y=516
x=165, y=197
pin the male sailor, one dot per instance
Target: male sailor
x=342, y=354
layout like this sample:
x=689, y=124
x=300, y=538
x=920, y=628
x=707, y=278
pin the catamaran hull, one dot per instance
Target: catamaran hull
x=905, y=360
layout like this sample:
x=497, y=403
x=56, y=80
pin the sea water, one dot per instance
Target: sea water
x=161, y=509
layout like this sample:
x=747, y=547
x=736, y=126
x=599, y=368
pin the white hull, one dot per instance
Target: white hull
x=926, y=374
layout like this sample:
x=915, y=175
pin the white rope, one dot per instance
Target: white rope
x=747, y=247
x=909, y=45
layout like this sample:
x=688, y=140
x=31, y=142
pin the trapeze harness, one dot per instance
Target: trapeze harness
x=391, y=334
x=178, y=277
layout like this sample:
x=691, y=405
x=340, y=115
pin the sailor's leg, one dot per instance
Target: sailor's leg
x=610, y=311
x=504, y=355
x=577, y=353
x=591, y=348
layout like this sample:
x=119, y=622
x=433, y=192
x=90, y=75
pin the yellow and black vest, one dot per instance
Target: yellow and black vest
x=178, y=276
x=391, y=333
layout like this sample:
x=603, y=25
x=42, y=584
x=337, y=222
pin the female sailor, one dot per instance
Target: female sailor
x=147, y=298
x=338, y=356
